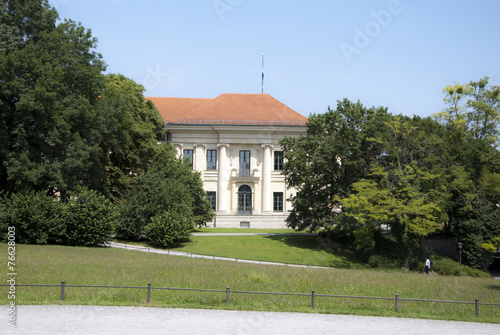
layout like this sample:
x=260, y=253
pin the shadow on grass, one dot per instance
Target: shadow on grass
x=494, y=287
x=342, y=258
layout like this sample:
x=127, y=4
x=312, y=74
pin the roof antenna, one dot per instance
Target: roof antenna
x=262, y=74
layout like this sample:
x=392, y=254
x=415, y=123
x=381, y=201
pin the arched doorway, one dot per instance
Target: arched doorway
x=244, y=200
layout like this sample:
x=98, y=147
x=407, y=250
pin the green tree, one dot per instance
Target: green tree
x=130, y=128
x=395, y=198
x=323, y=164
x=472, y=123
x=51, y=78
x=169, y=187
x=474, y=107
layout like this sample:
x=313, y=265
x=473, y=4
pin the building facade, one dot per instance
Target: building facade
x=233, y=141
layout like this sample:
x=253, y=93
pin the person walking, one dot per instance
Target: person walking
x=427, y=265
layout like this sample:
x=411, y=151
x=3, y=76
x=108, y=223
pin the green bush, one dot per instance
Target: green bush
x=89, y=219
x=379, y=261
x=168, y=229
x=35, y=216
x=86, y=220
x=171, y=186
x=448, y=267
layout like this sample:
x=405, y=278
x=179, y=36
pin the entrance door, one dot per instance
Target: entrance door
x=245, y=200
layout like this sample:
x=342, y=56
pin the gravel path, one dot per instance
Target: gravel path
x=88, y=320
x=191, y=255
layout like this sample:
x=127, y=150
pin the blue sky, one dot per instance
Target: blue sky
x=393, y=53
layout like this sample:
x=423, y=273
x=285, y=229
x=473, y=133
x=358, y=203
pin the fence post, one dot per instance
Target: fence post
x=227, y=295
x=477, y=307
x=397, y=303
x=63, y=284
x=313, y=298
x=149, y=293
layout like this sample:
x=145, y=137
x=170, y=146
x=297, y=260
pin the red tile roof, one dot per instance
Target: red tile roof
x=244, y=109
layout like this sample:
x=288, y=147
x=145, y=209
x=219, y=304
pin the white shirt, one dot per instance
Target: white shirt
x=428, y=263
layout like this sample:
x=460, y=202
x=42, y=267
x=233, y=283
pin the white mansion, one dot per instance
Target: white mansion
x=233, y=141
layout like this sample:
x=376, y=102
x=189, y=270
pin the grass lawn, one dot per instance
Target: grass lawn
x=298, y=249
x=107, y=266
x=245, y=230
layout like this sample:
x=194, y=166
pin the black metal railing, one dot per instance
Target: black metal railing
x=313, y=295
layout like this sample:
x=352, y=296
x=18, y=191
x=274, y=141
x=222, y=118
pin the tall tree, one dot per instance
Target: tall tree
x=170, y=186
x=472, y=120
x=129, y=128
x=474, y=107
x=323, y=164
x=403, y=190
x=50, y=80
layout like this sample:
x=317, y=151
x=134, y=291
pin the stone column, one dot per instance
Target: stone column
x=223, y=179
x=178, y=148
x=199, y=157
x=266, y=180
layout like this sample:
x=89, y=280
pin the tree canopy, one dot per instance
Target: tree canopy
x=410, y=177
x=50, y=81
x=70, y=132
x=170, y=189
x=323, y=164
x=63, y=123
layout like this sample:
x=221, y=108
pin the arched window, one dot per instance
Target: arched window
x=244, y=200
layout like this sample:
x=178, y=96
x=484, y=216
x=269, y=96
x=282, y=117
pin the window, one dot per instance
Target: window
x=278, y=160
x=244, y=163
x=212, y=198
x=188, y=156
x=211, y=159
x=278, y=201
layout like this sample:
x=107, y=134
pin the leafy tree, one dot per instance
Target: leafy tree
x=473, y=125
x=395, y=198
x=130, y=127
x=474, y=107
x=336, y=152
x=169, y=187
x=51, y=78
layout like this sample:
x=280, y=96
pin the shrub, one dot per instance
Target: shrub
x=342, y=230
x=86, y=220
x=35, y=216
x=168, y=229
x=379, y=261
x=89, y=219
x=448, y=267
x=169, y=186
